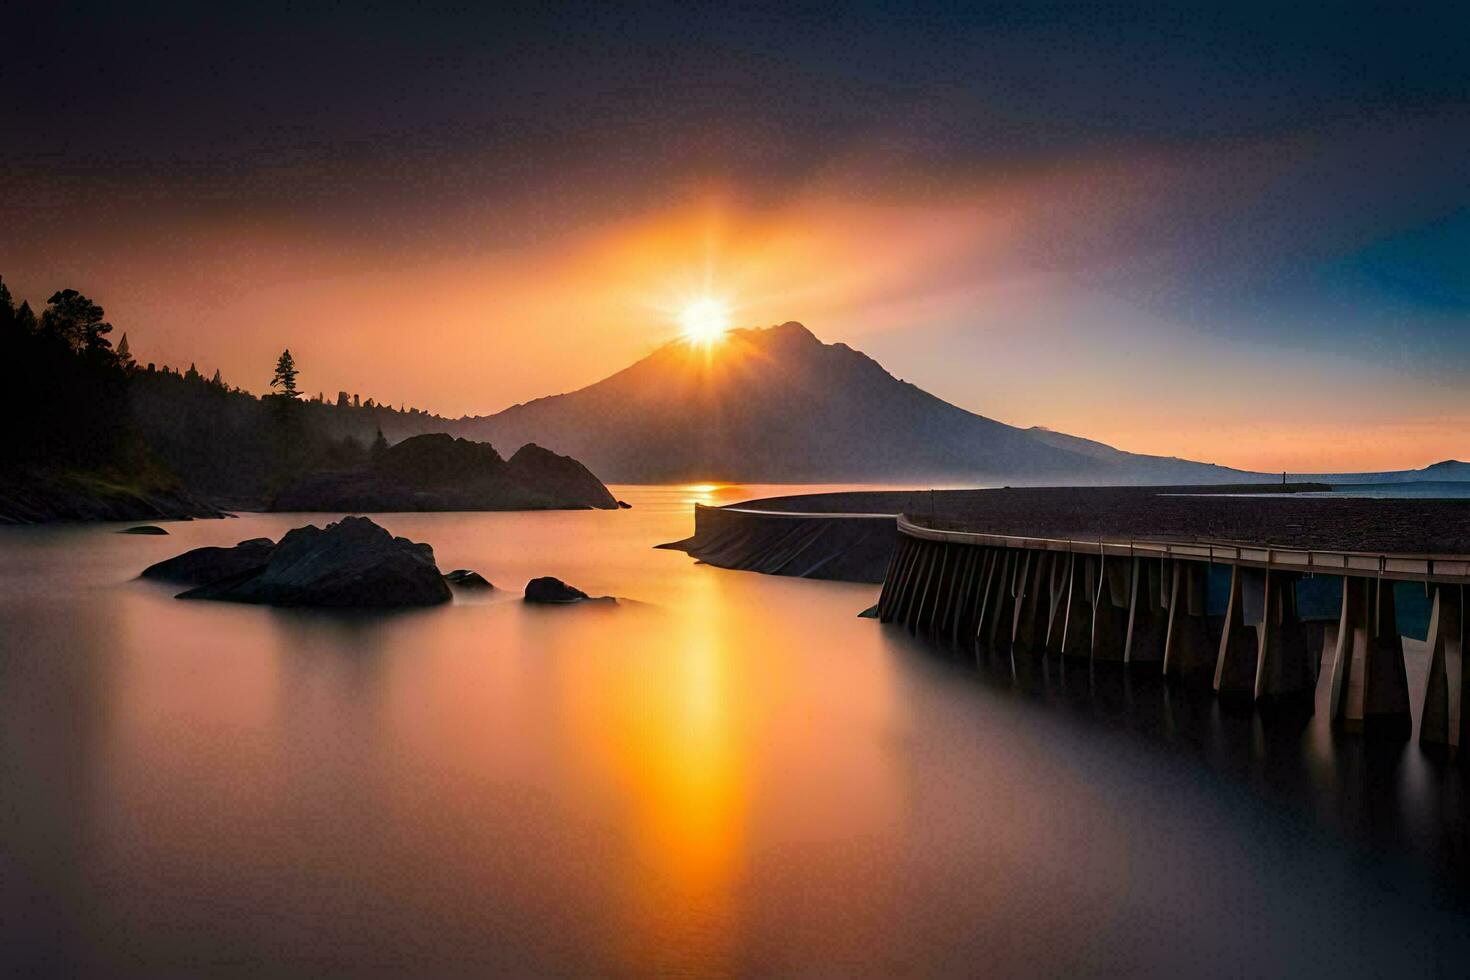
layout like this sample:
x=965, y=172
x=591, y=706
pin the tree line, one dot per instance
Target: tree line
x=84, y=404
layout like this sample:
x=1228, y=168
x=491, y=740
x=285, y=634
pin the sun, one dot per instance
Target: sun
x=705, y=321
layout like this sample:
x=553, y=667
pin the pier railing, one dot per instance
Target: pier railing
x=1144, y=602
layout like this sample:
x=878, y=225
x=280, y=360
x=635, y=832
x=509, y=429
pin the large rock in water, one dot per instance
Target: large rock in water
x=439, y=472
x=548, y=589
x=205, y=566
x=352, y=563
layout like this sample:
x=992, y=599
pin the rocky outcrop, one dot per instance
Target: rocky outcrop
x=35, y=495
x=438, y=472
x=552, y=590
x=465, y=578
x=353, y=563
x=205, y=566
x=143, y=529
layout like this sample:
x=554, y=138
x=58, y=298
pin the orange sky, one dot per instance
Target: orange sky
x=1002, y=297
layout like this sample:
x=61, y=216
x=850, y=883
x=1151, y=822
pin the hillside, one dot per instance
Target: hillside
x=778, y=405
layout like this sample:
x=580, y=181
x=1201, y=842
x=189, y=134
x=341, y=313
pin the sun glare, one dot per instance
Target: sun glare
x=705, y=321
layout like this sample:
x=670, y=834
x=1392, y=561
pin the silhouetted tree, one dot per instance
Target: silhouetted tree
x=25, y=320
x=355, y=402
x=77, y=322
x=380, y=445
x=285, y=378
x=217, y=381
x=124, y=353
x=342, y=400
x=193, y=373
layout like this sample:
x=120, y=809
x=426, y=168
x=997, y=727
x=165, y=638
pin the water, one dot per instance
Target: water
x=1420, y=489
x=725, y=773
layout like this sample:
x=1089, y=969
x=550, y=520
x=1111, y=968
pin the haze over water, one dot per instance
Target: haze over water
x=723, y=773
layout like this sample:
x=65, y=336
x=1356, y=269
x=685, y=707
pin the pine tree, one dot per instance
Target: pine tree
x=192, y=374
x=76, y=321
x=217, y=381
x=124, y=353
x=380, y=445
x=285, y=378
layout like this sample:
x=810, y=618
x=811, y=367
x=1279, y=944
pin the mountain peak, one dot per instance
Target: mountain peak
x=776, y=404
x=790, y=333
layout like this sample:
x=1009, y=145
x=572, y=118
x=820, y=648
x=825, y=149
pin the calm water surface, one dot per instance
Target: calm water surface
x=724, y=773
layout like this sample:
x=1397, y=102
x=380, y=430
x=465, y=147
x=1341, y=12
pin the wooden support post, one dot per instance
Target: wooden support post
x=1148, y=619
x=987, y=588
x=998, y=629
x=1235, y=666
x=1077, y=621
x=943, y=585
x=1444, y=722
x=923, y=569
x=1188, y=651
x=1285, y=665
x=934, y=591
x=1030, y=595
x=1110, y=610
x=894, y=582
x=888, y=576
x=960, y=608
x=1059, y=580
x=1370, y=691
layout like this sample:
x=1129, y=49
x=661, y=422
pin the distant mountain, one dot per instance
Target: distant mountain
x=778, y=405
x=1446, y=471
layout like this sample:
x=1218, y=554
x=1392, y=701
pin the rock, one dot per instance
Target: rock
x=42, y=494
x=624, y=505
x=143, y=529
x=548, y=589
x=353, y=563
x=869, y=613
x=558, y=477
x=467, y=579
x=438, y=472
x=205, y=566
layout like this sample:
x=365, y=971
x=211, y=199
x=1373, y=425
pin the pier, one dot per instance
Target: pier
x=1259, y=597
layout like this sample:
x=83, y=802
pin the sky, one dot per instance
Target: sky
x=1238, y=234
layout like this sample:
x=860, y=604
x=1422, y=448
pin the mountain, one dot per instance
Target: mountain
x=1445, y=471
x=777, y=405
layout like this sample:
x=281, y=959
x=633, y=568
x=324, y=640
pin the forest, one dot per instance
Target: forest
x=88, y=412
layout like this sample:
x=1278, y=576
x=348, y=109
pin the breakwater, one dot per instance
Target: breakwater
x=1135, y=601
x=849, y=547
x=1260, y=593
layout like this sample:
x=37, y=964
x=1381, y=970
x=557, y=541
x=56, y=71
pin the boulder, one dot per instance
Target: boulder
x=548, y=589
x=558, y=478
x=624, y=505
x=353, y=563
x=205, y=566
x=143, y=529
x=467, y=579
x=437, y=472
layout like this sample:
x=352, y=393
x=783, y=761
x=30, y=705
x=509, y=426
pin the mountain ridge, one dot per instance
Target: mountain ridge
x=777, y=404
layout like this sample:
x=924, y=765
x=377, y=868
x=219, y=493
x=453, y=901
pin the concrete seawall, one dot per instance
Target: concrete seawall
x=843, y=547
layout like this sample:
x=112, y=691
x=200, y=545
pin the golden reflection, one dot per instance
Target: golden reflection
x=672, y=729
